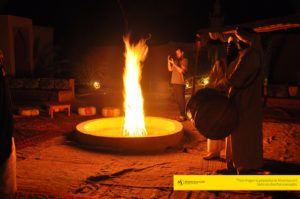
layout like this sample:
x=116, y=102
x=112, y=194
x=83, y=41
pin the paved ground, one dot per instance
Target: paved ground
x=51, y=165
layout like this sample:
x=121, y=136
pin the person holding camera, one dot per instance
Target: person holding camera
x=179, y=66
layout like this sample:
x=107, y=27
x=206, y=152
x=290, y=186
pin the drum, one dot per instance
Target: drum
x=213, y=113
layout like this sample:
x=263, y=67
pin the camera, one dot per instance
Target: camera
x=171, y=57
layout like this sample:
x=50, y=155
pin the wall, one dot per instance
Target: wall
x=285, y=66
x=16, y=41
x=43, y=50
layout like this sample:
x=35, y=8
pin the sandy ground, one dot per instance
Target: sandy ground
x=51, y=165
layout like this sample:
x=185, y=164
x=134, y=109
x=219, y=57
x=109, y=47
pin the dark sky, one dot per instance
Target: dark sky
x=98, y=22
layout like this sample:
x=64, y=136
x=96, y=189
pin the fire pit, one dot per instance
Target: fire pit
x=134, y=131
x=107, y=134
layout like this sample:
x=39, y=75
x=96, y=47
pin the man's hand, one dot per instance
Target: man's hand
x=170, y=60
x=170, y=63
x=230, y=39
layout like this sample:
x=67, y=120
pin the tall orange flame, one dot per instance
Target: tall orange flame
x=135, y=54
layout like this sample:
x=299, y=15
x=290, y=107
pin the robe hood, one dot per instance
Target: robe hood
x=251, y=37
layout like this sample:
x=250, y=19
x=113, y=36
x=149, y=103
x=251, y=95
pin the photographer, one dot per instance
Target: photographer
x=178, y=67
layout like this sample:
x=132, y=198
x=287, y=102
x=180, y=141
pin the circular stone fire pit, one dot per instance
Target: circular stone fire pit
x=107, y=134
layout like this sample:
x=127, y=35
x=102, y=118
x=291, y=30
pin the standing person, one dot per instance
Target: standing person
x=6, y=126
x=244, y=148
x=179, y=67
x=217, y=55
x=7, y=147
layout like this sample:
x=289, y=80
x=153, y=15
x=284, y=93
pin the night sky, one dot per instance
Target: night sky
x=100, y=22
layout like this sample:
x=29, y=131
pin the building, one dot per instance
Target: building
x=21, y=42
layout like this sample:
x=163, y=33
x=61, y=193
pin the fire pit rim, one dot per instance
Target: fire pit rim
x=160, y=142
x=178, y=128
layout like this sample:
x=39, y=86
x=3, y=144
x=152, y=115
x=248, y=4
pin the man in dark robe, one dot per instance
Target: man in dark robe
x=6, y=121
x=244, y=146
x=217, y=56
x=8, y=185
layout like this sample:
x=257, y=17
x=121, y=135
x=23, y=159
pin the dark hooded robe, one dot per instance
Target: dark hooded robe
x=8, y=183
x=217, y=56
x=6, y=119
x=244, y=146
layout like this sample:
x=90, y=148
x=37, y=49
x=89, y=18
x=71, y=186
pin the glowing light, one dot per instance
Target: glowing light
x=187, y=84
x=135, y=54
x=206, y=80
x=96, y=85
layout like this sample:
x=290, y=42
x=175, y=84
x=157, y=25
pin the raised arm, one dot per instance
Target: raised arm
x=247, y=66
x=170, y=63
